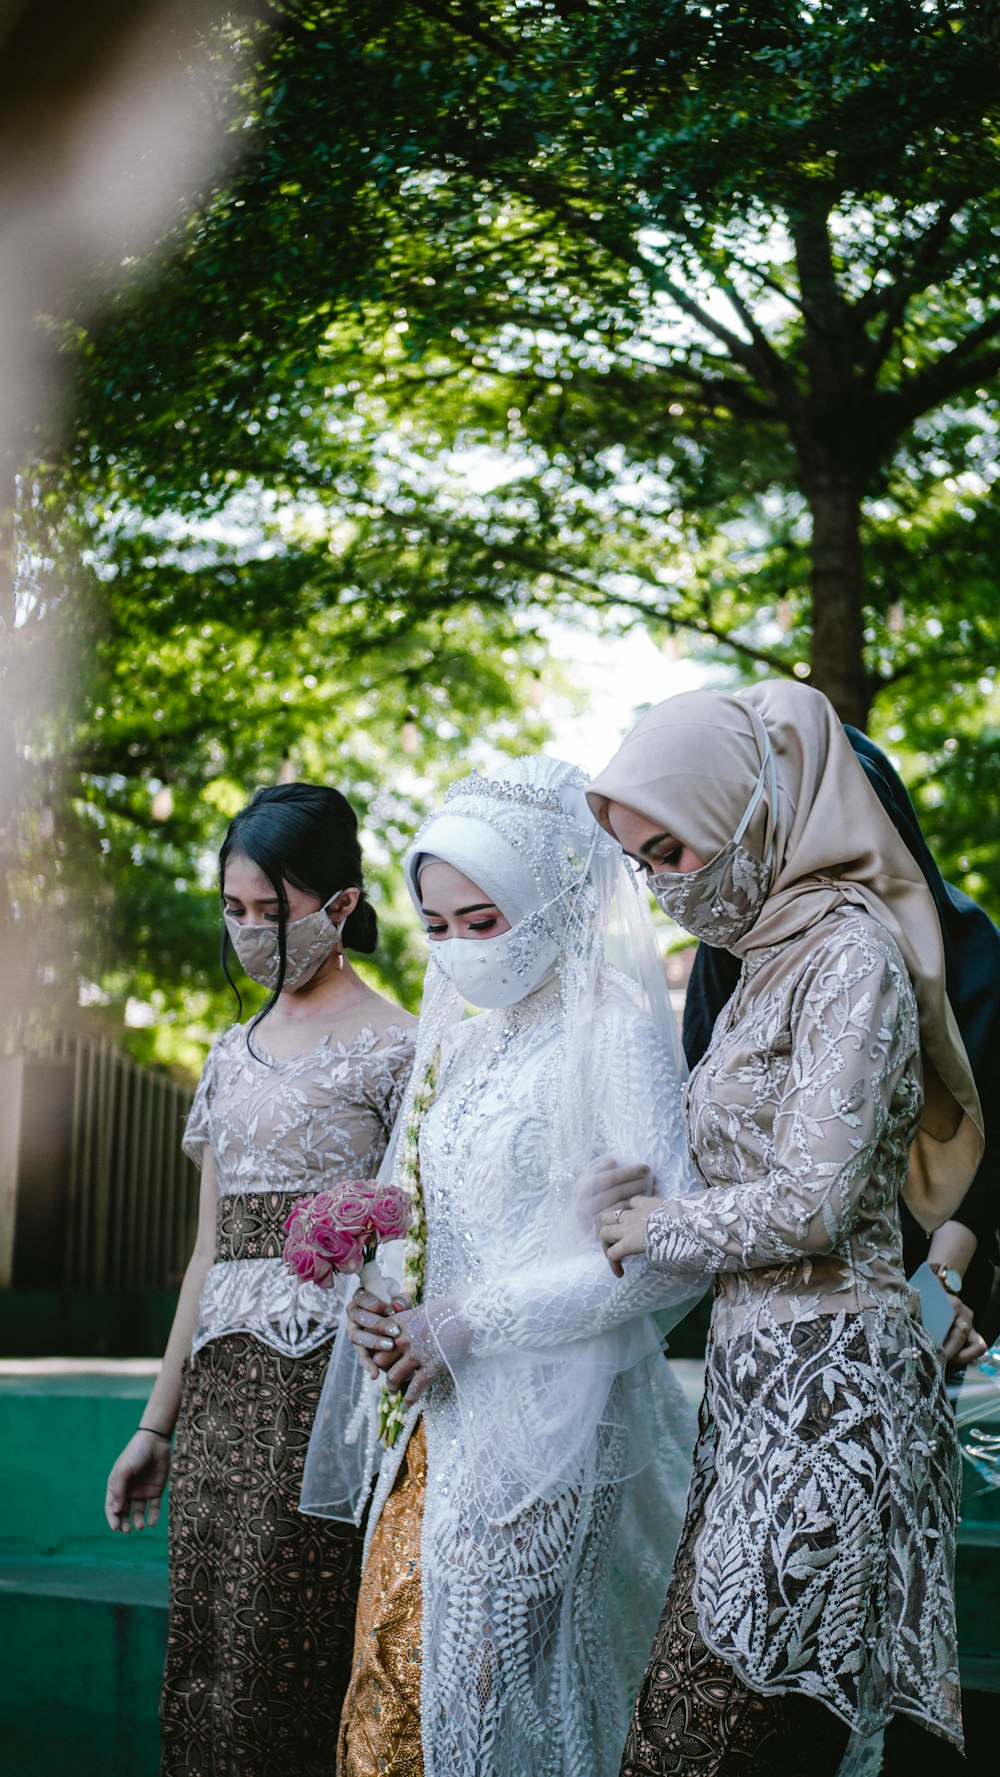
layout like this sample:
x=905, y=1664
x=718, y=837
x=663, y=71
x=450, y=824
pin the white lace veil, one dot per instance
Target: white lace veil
x=525, y=835
x=557, y=1443
x=535, y=1347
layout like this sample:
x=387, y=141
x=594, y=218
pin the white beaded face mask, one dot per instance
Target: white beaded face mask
x=501, y=971
x=308, y=943
x=720, y=902
x=491, y=972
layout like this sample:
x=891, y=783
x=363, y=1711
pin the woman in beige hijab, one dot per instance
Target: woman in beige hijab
x=813, y=1590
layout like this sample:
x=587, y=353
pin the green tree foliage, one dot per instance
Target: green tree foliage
x=691, y=264
x=682, y=312
x=204, y=667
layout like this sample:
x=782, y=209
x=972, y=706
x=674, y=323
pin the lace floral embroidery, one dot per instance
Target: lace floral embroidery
x=719, y=902
x=289, y=1126
x=829, y=1467
x=523, y=1583
x=392, y=1407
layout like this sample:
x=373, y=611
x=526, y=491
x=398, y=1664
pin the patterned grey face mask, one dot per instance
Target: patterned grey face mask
x=721, y=901
x=308, y=943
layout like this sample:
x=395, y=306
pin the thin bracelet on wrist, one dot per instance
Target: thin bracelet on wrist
x=165, y=1435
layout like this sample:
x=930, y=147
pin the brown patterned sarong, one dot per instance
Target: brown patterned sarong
x=262, y=1597
x=694, y=1716
x=251, y=1224
x=380, y=1728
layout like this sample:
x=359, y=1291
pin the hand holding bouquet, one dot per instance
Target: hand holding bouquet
x=338, y=1231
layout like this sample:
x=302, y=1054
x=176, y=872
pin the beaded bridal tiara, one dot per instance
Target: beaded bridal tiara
x=501, y=790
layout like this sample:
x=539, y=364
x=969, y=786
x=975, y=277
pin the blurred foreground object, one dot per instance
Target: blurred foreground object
x=110, y=115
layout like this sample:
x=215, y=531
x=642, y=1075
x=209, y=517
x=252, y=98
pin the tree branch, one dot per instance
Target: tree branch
x=780, y=376
x=723, y=391
x=544, y=191
x=893, y=301
x=952, y=372
x=598, y=596
x=703, y=626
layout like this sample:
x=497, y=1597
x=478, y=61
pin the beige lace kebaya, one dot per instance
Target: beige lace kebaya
x=825, y=1496
x=280, y=1126
x=691, y=763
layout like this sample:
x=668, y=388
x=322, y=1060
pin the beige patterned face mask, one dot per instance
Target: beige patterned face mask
x=308, y=943
x=720, y=902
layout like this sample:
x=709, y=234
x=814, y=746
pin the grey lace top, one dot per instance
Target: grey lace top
x=290, y=1125
x=826, y=1483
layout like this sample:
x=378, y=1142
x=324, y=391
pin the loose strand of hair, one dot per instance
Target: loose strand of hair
x=225, y=952
x=282, y=964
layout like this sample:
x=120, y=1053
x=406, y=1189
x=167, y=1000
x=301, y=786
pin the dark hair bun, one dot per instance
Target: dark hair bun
x=361, y=928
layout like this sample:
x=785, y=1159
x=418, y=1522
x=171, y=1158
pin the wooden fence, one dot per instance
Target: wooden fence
x=95, y=1193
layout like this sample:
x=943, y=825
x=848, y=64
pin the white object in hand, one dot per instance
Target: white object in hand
x=370, y=1278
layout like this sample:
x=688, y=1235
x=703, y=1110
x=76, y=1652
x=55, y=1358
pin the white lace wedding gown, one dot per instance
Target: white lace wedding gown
x=558, y=1441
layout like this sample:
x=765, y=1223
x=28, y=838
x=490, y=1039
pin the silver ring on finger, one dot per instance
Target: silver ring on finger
x=618, y=1213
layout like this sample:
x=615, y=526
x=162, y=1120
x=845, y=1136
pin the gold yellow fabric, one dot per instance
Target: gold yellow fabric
x=380, y=1725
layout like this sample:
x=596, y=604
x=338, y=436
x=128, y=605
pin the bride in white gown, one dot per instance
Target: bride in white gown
x=524, y=1524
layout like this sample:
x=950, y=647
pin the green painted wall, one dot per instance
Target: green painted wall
x=59, y=1434
x=69, y=1323
x=79, y=1685
x=83, y=1612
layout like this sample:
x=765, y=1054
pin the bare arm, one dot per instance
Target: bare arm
x=138, y=1478
x=954, y=1244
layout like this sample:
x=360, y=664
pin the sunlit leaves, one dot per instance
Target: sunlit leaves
x=545, y=306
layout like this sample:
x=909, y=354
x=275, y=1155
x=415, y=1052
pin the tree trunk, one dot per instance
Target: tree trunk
x=838, y=666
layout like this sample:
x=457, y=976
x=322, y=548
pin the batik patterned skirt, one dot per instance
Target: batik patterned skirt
x=695, y=1717
x=261, y=1623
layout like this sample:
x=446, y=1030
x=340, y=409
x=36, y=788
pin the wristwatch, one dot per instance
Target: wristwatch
x=951, y=1278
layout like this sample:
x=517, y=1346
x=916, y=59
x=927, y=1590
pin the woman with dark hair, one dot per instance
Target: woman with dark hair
x=262, y=1598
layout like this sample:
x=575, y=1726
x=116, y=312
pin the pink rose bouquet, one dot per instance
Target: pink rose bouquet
x=339, y=1230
